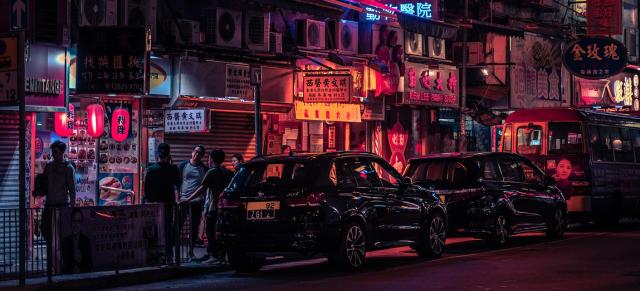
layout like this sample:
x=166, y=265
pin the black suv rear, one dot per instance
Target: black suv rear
x=336, y=204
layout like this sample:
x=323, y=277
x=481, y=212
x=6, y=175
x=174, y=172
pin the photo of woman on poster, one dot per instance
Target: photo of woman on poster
x=564, y=169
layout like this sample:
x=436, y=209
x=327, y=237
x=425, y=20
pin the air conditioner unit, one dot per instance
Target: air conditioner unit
x=631, y=43
x=256, y=30
x=369, y=37
x=187, y=31
x=436, y=48
x=275, y=42
x=475, y=53
x=223, y=27
x=342, y=36
x=414, y=44
x=142, y=13
x=310, y=33
x=98, y=12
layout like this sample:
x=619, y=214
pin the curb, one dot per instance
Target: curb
x=125, y=278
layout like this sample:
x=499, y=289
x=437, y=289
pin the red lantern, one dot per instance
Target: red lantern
x=95, y=116
x=120, y=120
x=64, y=122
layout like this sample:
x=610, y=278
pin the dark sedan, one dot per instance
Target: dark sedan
x=492, y=195
x=336, y=204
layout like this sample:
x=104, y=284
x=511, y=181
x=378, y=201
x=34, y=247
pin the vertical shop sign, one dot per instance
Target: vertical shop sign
x=111, y=60
x=604, y=17
x=398, y=138
x=185, y=120
x=327, y=88
x=9, y=70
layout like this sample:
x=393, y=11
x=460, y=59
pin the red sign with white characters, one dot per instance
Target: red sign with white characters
x=604, y=17
x=398, y=138
x=431, y=86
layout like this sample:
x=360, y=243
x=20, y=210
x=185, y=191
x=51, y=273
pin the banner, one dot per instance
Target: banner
x=328, y=111
x=107, y=238
x=429, y=86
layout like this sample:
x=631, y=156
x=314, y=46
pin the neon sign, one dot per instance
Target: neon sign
x=422, y=9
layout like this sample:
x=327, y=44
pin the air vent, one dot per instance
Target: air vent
x=311, y=34
x=98, y=12
x=223, y=27
x=414, y=44
x=256, y=35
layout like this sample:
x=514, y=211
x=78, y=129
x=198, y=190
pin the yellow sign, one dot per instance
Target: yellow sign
x=8, y=54
x=328, y=111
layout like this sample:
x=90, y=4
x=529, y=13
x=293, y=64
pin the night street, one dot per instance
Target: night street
x=587, y=258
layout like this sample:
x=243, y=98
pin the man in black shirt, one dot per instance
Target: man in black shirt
x=214, y=182
x=161, y=185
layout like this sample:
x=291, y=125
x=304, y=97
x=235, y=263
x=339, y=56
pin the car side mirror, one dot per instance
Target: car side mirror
x=549, y=181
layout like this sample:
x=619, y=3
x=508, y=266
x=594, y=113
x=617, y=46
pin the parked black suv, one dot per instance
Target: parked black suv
x=335, y=204
x=492, y=195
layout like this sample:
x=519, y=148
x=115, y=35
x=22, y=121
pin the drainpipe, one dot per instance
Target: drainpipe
x=463, y=90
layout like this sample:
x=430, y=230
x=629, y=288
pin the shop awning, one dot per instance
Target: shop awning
x=434, y=28
x=496, y=28
x=233, y=106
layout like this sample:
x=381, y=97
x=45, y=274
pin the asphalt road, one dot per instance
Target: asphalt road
x=587, y=259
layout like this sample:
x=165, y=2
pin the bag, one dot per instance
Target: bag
x=41, y=186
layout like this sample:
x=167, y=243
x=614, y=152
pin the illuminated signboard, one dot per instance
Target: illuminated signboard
x=595, y=57
x=422, y=9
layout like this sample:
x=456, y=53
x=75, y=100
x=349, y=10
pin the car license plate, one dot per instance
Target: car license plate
x=262, y=210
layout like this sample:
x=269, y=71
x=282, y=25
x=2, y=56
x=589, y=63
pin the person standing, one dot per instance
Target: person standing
x=61, y=186
x=192, y=171
x=236, y=161
x=214, y=182
x=161, y=185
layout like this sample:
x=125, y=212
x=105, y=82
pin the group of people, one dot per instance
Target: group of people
x=196, y=187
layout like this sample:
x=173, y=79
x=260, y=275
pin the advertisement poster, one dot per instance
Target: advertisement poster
x=537, y=77
x=116, y=189
x=120, y=157
x=107, y=238
x=44, y=77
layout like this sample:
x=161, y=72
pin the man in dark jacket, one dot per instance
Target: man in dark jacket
x=161, y=185
x=214, y=182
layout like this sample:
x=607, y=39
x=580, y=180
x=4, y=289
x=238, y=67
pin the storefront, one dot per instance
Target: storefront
x=225, y=100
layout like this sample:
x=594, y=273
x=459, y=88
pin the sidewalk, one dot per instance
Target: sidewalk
x=109, y=279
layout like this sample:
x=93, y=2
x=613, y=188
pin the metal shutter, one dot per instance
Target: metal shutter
x=9, y=161
x=230, y=131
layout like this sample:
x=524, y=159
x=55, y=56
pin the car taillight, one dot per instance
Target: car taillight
x=224, y=203
x=313, y=199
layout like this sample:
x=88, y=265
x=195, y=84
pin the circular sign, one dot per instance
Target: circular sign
x=595, y=57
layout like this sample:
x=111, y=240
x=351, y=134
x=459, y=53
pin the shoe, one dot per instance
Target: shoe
x=201, y=259
x=212, y=261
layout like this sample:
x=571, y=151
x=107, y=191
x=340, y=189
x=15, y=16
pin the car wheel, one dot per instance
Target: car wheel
x=243, y=263
x=500, y=231
x=351, y=250
x=434, y=234
x=556, y=225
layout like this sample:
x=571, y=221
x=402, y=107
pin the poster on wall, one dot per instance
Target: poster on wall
x=536, y=77
x=327, y=88
x=116, y=189
x=186, y=120
x=82, y=153
x=109, y=238
x=45, y=78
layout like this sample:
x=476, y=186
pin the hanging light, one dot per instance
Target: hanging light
x=64, y=122
x=120, y=121
x=95, y=116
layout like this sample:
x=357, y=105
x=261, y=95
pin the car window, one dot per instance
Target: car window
x=489, y=169
x=387, y=176
x=506, y=146
x=357, y=173
x=565, y=138
x=427, y=171
x=511, y=171
x=457, y=174
x=531, y=174
x=267, y=176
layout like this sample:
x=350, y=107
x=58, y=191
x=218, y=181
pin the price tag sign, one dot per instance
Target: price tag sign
x=9, y=70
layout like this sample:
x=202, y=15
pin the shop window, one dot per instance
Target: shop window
x=428, y=172
x=565, y=138
x=506, y=147
x=529, y=140
x=602, y=144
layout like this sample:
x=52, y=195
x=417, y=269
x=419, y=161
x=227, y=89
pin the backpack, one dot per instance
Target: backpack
x=41, y=186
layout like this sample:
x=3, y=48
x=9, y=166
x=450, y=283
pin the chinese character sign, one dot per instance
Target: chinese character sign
x=111, y=60
x=328, y=111
x=327, y=88
x=604, y=17
x=595, y=57
x=426, y=86
x=185, y=120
